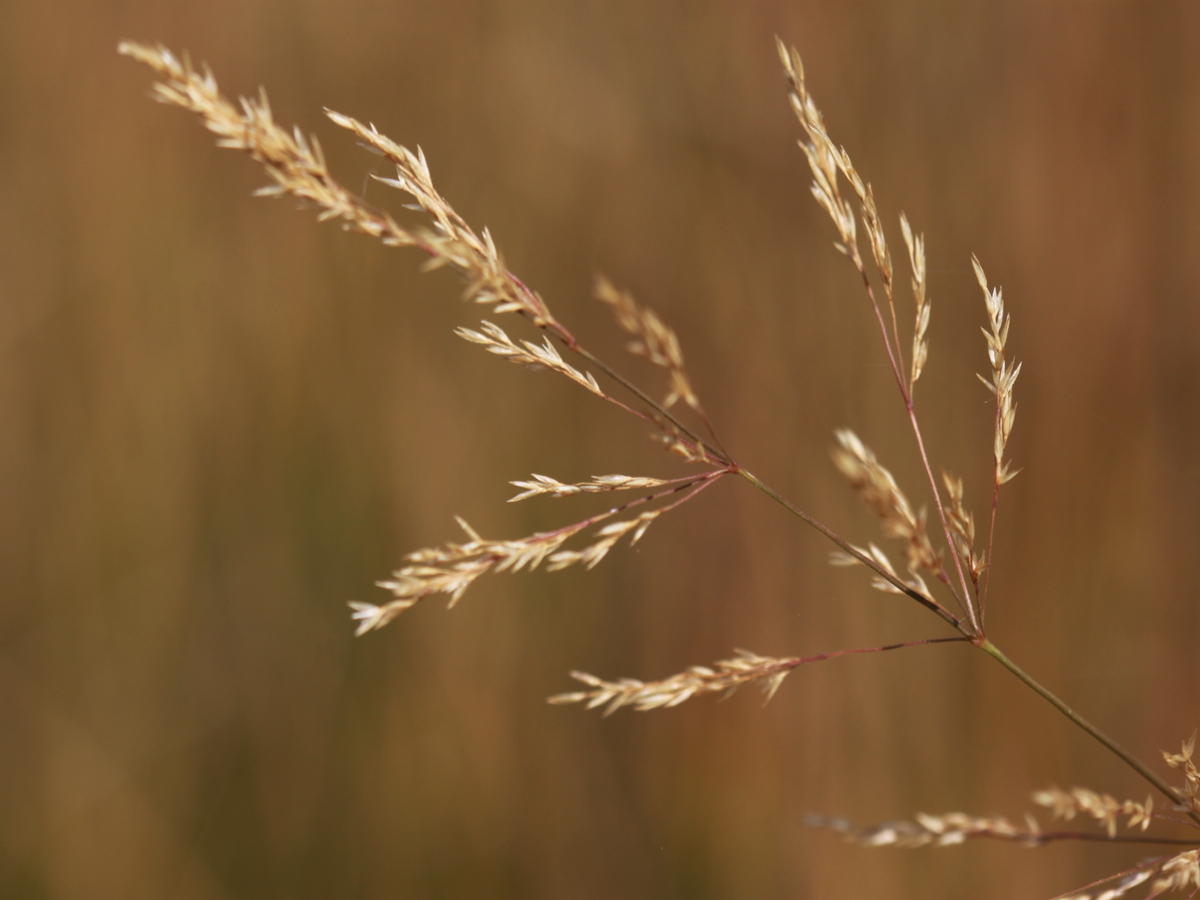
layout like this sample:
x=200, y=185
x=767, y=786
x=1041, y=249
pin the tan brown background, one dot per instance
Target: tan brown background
x=220, y=421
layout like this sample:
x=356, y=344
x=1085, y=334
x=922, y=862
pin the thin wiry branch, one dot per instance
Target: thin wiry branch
x=1169, y=873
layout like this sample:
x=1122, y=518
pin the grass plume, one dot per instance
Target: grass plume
x=296, y=168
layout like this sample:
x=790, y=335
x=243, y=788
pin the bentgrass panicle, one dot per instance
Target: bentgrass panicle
x=297, y=168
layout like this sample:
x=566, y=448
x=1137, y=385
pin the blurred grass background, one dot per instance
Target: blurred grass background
x=220, y=421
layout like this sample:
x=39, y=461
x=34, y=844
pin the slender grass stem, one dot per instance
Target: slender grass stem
x=987, y=582
x=723, y=457
x=976, y=621
x=1126, y=757
x=698, y=442
x=984, y=644
x=929, y=603
x=298, y=168
x=964, y=601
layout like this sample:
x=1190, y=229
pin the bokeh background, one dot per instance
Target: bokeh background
x=220, y=421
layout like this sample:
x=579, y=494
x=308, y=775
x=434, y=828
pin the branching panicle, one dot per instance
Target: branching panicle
x=827, y=162
x=297, y=168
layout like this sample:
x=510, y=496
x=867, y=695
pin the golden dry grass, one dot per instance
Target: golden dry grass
x=221, y=422
x=298, y=169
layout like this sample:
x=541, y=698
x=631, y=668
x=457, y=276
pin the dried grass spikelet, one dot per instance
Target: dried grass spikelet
x=824, y=158
x=1191, y=786
x=298, y=169
x=454, y=567
x=914, y=580
x=916, y=258
x=673, y=441
x=827, y=161
x=539, y=357
x=945, y=830
x=724, y=677
x=654, y=340
x=543, y=484
x=879, y=490
x=1179, y=873
x=1004, y=375
x=962, y=527
x=1174, y=873
x=607, y=538
x=1162, y=874
x=452, y=241
x=1104, y=808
